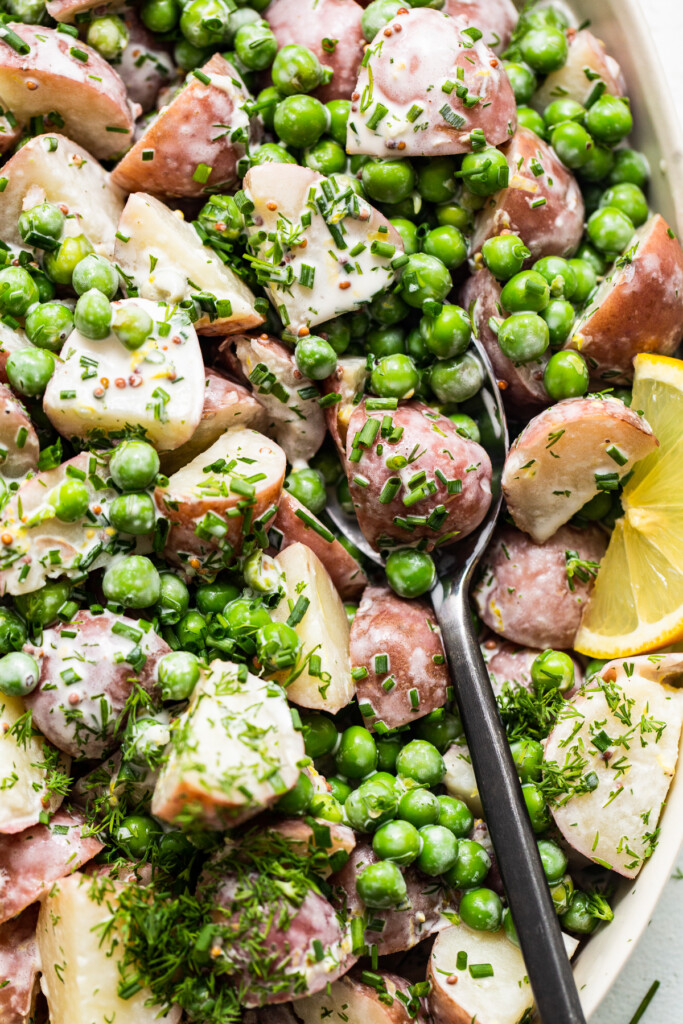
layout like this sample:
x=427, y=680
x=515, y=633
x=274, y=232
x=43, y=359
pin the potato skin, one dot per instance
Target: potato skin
x=14, y=419
x=521, y=386
x=19, y=966
x=495, y=18
x=440, y=448
x=551, y=229
x=407, y=632
x=638, y=309
x=508, y=663
x=523, y=594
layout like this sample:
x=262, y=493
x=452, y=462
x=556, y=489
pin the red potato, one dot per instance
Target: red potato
x=411, y=678
x=31, y=861
x=53, y=168
x=292, y=521
x=29, y=764
x=196, y=141
x=226, y=405
x=90, y=96
x=289, y=399
x=66, y=10
x=10, y=132
x=495, y=18
x=208, y=512
x=312, y=23
x=398, y=79
x=507, y=663
x=524, y=592
x=587, y=65
x=282, y=1014
x=521, y=385
x=145, y=66
x=348, y=381
x=351, y=1000
x=637, y=308
x=19, y=445
x=19, y=968
x=552, y=228
x=624, y=728
x=546, y=479
x=429, y=443
x=403, y=927
x=85, y=680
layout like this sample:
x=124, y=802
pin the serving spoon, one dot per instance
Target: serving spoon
x=540, y=937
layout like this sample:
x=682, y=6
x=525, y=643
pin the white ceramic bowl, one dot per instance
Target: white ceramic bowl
x=620, y=24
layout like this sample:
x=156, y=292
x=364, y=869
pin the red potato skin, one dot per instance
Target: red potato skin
x=523, y=594
x=145, y=80
x=507, y=663
x=642, y=313
x=188, y=132
x=13, y=417
x=495, y=18
x=551, y=229
x=521, y=386
x=440, y=447
x=9, y=135
x=308, y=22
x=32, y=860
x=403, y=929
x=52, y=71
x=100, y=676
x=346, y=573
x=408, y=633
x=19, y=967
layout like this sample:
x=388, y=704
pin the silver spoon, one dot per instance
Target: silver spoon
x=528, y=893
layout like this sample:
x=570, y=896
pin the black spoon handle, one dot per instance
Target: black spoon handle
x=547, y=963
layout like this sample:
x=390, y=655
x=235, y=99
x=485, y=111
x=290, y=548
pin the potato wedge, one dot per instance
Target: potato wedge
x=24, y=765
x=31, y=861
x=101, y=388
x=53, y=167
x=545, y=480
x=586, y=67
x=637, y=308
x=623, y=728
x=459, y=779
x=350, y=999
x=233, y=752
x=196, y=141
x=210, y=512
x=398, y=643
x=530, y=593
x=162, y=254
x=285, y=198
x=323, y=631
x=54, y=72
x=402, y=105
x=553, y=228
x=456, y=997
x=294, y=523
x=495, y=18
x=19, y=445
x=19, y=968
x=81, y=955
x=290, y=399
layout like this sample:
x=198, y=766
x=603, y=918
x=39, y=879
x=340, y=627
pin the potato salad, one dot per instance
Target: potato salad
x=246, y=248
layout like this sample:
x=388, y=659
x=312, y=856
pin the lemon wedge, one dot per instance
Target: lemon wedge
x=637, y=602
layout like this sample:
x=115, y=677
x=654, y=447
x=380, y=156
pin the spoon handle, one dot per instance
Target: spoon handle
x=533, y=912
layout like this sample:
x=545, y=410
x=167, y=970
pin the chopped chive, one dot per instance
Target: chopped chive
x=314, y=525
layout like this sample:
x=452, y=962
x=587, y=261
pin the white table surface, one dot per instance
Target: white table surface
x=659, y=955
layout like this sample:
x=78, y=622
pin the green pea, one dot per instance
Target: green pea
x=325, y=806
x=13, y=632
x=344, y=496
x=187, y=56
x=410, y=208
x=308, y=487
x=356, y=754
x=278, y=646
x=504, y=255
x=425, y=277
x=609, y=119
x=457, y=379
x=381, y=886
x=315, y=357
x=296, y=69
x=419, y=807
x=631, y=166
x=572, y=143
x=46, y=287
x=544, y=49
x=455, y=215
x=523, y=337
x=261, y=572
x=439, y=728
x=174, y=600
x=49, y=325
x=586, y=279
x=439, y=850
x=552, y=670
x=526, y=291
x=563, y=109
x=628, y=198
x=340, y=789
x=29, y=370
x=319, y=733
x=482, y=910
x=378, y=14
x=134, y=465
x=436, y=179
x=266, y=102
x=485, y=171
x=566, y=376
x=137, y=835
x=410, y=573
x=388, y=308
x=18, y=291
x=178, y=674
x=447, y=244
x=192, y=631
x=133, y=582
x=213, y=597
x=528, y=757
x=386, y=341
x=388, y=181
x=326, y=157
x=132, y=325
x=60, y=264
x=561, y=893
x=160, y=15
x=421, y=762
x=175, y=851
x=108, y=35
x=554, y=860
x=70, y=500
x=594, y=668
x=19, y=674
x=95, y=272
x=447, y=334
x=466, y=426
x=298, y=800
x=337, y=333
x=388, y=748
x=472, y=866
x=455, y=816
x=371, y=805
x=408, y=232
x=300, y=120
x=205, y=23
x=536, y=807
x=42, y=226
x=522, y=79
x=597, y=508
x=133, y=513
x=394, y=377
x=271, y=153
x=397, y=841
x=255, y=46
x=578, y=918
x=416, y=347
x=559, y=315
x=41, y=607
x=558, y=274
x=598, y=165
x=529, y=118
x=339, y=111
x=93, y=315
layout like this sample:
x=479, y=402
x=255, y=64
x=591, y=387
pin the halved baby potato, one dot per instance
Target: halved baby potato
x=233, y=752
x=61, y=74
x=166, y=260
x=587, y=66
x=460, y=780
x=19, y=445
x=24, y=767
x=19, y=968
x=351, y=1000
x=324, y=682
x=545, y=478
x=56, y=169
